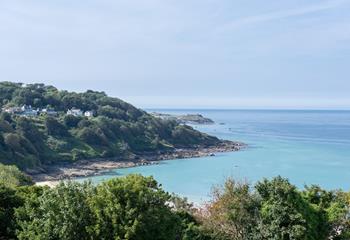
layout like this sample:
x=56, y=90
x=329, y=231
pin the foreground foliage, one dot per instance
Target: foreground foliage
x=276, y=209
x=133, y=207
x=136, y=207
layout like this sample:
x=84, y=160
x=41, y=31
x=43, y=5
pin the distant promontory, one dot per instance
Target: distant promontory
x=184, y=119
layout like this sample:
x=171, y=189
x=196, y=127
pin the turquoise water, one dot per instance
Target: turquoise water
x=305, y=146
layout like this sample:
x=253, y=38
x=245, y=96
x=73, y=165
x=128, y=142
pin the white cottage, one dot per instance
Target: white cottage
x=89, y=114
x=28, y=111
x=49, y=112
x=75, y=112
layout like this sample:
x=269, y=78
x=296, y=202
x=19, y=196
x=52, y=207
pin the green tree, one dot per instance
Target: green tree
x=338, y=216
x=71, y=121
x=9, y=200
x=284, y=213
x=135, y=208
x=30, y=131
x=93, y=135
x=59, y=213
x=132, y=207
x=55, y=128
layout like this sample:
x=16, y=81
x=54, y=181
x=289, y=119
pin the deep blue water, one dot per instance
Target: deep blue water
x=308, y=147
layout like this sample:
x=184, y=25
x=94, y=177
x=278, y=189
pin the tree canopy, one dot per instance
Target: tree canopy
x=132, y=207
x=136, y=207
x=276, y=209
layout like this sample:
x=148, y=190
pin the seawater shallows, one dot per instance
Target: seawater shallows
x=308, y=147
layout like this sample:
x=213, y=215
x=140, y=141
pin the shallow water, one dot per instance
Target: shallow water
x=308, y=147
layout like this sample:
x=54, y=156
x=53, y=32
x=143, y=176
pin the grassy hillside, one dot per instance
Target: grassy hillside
x=116, y=129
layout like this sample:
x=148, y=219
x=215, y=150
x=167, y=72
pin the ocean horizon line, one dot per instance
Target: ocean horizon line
x=246, y=109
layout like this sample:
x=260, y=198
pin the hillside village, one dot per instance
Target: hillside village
x=28, y=111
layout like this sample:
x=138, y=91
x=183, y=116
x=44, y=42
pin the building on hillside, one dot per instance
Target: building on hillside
x=49, y=112
x=75, y=112
x=12, y=110
x=28, y=111
x=89, y=114
x=25, y=110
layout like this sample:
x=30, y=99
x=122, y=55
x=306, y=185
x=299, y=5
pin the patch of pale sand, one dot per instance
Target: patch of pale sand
x=50, y=184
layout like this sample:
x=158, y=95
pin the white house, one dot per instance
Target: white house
x=49, y=112
x=89, y=114
x=12, y=110
x=75, y=112
x=26, y=108
x=28, y=111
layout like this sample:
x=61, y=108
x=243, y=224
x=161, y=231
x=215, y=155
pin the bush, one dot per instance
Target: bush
x=233, y=213
x=11, y=176
x=55, y=128
x=78, y=154
x=71, y=121
x=93, y=135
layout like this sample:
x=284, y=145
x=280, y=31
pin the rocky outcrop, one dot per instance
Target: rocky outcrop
x=185, y=119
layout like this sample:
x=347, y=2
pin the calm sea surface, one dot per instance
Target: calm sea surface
x=308, y=147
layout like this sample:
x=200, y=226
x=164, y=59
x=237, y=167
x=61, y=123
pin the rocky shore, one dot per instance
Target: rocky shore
x=51, y=175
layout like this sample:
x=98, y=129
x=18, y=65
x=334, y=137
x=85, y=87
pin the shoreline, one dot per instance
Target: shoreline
x=53, y=174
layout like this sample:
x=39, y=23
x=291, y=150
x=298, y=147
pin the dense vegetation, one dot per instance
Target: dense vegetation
x=117, y=129
x=276, y=209
x=135, y=207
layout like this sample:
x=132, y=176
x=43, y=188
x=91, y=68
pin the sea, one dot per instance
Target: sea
x=305, y=146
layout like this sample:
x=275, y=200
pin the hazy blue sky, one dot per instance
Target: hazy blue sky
x=184, y=53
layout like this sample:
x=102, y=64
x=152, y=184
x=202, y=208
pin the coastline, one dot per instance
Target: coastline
x=52, y=175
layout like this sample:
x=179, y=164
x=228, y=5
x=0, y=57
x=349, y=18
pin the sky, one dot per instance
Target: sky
x=184, y=53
